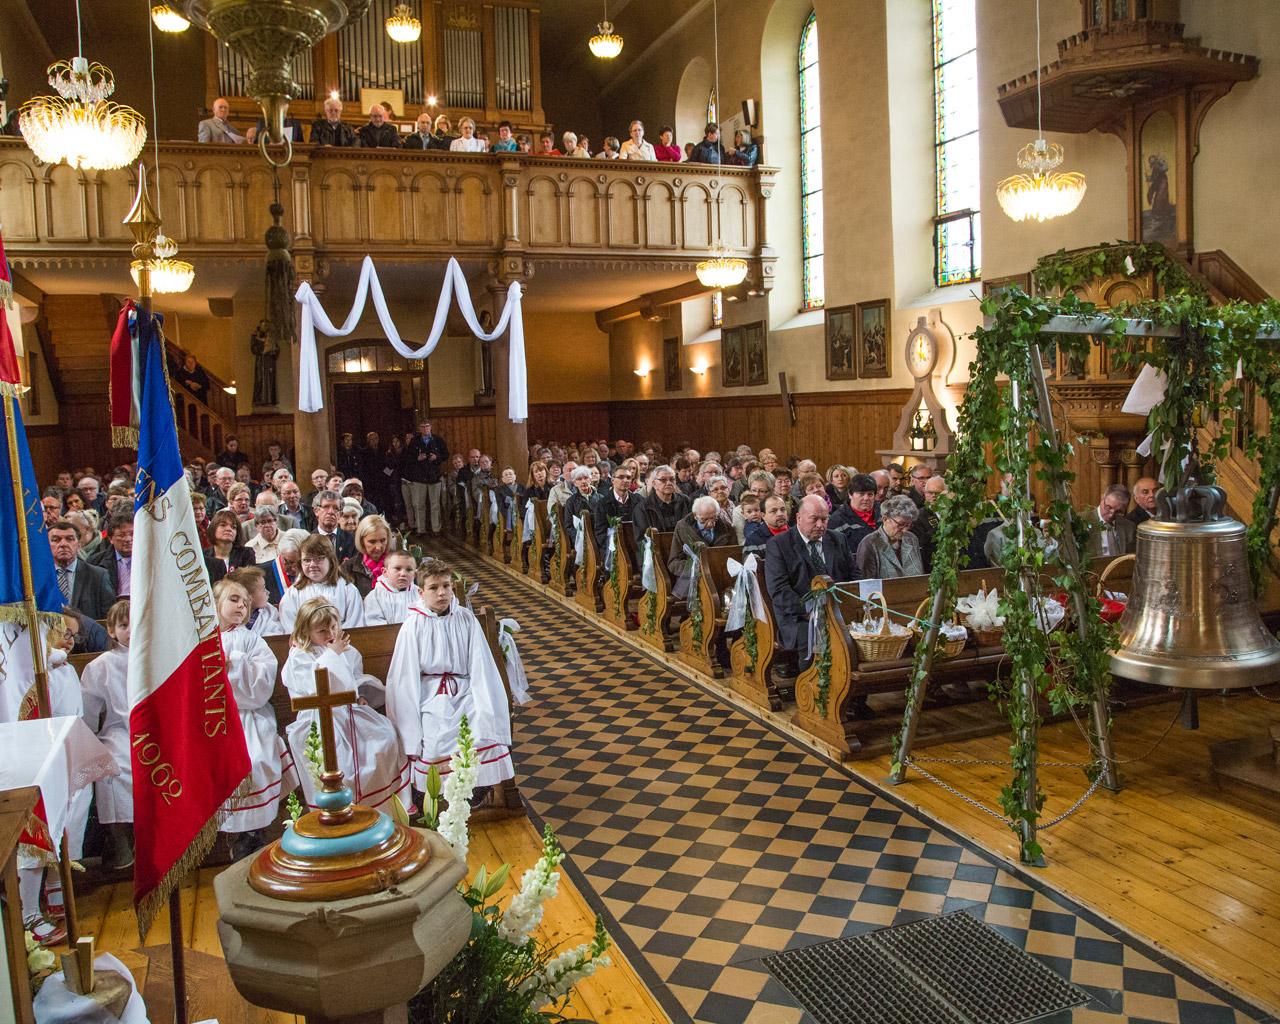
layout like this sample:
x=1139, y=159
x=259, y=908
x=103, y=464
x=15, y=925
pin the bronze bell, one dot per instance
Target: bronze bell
x=1191, y=621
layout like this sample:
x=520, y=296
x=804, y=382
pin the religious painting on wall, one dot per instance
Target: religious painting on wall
x=1158, y=183
x=755, y=348
x=873, y=338
x=732, y=370
x=840, y=331
x=671, y=374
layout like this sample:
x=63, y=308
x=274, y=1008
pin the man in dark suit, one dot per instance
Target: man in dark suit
x=328, y=510
x=116, y=556
x=1110, y=533
x=791, y=561
x=619, y=502
x=85, y=587
x=423, y=462
x=663, y=506
x=1144, y=500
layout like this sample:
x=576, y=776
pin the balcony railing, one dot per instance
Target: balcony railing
x=350, y=202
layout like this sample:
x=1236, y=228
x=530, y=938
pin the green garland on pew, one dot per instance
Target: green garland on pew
x=650, y=613
x=693, y=604
x=615, y=583
x=749, y=642
x=823, y=662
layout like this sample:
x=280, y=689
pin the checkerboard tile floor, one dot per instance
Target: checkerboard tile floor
x=709, y=841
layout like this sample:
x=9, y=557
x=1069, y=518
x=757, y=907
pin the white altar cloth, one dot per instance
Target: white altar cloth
x=60, y=755
x=56, y=1004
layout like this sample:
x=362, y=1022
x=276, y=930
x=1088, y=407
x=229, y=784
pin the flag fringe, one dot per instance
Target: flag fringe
x=124, y=437
x=13, y=390
x=149, y=907
x=17, y=614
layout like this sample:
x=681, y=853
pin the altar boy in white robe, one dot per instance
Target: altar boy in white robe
x=251, y=674
x=105, y=687
x=18, y=703
x=368, y=751
x=441, y=670
x=389, y=600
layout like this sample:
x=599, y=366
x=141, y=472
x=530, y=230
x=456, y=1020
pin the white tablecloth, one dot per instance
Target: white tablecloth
x=55, y=1004
x=60, y=755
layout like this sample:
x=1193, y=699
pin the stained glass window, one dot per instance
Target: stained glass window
x=814, y=285
x=717, y=309
x=957, y=228
x=711, y=107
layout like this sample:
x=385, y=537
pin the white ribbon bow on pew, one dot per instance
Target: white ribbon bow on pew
x=579, y=540
x=691, y=570
x=648, y=574
x=555, y=528
x=746, y=593
x=516, y=677
x=527, y=535
x=310, y=392
x=493, y=510
x=471, y=592
x=818, y=635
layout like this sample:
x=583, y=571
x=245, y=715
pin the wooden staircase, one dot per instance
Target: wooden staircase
x=75, y=331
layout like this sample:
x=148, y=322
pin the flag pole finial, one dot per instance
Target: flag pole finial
x=143, y=221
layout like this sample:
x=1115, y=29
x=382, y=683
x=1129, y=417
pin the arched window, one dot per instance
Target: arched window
x=957, y=235
x=814, y=285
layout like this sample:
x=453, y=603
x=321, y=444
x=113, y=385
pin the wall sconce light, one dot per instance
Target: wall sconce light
x=333, y=94
x=431, y=101
x=230, y=388
x=699, y=368
x=641, y=371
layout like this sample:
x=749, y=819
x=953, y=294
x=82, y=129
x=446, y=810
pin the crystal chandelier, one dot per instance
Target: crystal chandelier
x=168, y=18
x=169, y=275
x=722, y=269
x=606, y=43
x=79, y=126
x=402, y=26
x=1044, y=193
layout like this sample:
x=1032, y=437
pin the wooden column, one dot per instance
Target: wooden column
x=313, y=445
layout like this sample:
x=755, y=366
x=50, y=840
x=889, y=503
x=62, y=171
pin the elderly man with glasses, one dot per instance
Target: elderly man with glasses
x=663, y=505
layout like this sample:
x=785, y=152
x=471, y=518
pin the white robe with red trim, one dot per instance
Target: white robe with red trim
x=105, y=686
x=369, y=751
x=251, y=672
x=386, y=607
x=442, y=669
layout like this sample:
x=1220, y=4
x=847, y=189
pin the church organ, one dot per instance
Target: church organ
x=474, y=58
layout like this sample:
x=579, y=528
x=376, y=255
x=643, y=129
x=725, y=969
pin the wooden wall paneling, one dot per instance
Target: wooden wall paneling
x=48, y=452
x=569, y=421
x=463, y=428
x=260, y=429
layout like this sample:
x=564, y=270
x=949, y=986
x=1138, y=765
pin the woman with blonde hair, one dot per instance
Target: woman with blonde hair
x=368, y=748
x=373, y=544
x=251, y=676
x=320, y=577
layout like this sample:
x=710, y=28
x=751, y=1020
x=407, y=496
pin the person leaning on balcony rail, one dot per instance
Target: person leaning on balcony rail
x=467, y=142
x=330, y=130
x=709, y=150
x=609, y=149
x=636, y=148
x=506, y=141
x=378, y=133
x=443, y=137
x=547, y=145
x=745, y=153
x=572, y=147
x=218, y=128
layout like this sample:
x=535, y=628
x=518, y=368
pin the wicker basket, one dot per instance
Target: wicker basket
x=946, y=649
x=988, y=637
x=881, y=646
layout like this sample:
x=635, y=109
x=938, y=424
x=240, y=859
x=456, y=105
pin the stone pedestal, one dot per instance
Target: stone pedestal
x=358, y=959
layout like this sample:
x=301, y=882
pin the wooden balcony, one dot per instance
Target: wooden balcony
x=346, y=203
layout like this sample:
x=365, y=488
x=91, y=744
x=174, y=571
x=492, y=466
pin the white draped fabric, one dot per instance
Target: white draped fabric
x=310, y=393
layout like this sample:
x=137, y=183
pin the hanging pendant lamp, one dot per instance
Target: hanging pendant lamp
x=1044, y=193
x=606, y=43
x=79, y=126
x=722, y=269
x=167, y=18
x=402, y=26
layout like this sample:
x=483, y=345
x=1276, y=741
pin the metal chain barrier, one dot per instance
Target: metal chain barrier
x=911, y=762
x=1074, y=807
x=1269, y=700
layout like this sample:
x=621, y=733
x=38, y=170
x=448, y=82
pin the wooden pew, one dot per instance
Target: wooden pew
x=562, y=574
x=748, y=675
x=623, y=587
x=490, y=535
x=590, y=581
x=661, y=607
x=503, y=801
x=533, y=551
x=714, y=584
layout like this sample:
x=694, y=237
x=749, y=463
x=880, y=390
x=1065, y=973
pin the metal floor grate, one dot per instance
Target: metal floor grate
x=950, y=970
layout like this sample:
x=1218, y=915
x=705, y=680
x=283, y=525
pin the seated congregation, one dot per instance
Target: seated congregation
x=386, y=623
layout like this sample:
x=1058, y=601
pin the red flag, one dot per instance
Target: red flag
x=123, y=380
x=10, y=375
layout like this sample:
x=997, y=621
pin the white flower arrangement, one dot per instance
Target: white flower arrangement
x=538, y=885
x=981, y=610
x=458, y=787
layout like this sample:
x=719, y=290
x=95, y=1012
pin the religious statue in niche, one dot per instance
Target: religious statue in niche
x=1159, y=209
x=265, y=351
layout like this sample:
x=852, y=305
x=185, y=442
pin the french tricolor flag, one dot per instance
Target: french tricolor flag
x=188, y=747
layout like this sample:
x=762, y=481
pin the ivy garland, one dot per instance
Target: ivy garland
x=749, y=642
x=1066, y=271
x=693, y=603
x=614, y=583
x=650, y=613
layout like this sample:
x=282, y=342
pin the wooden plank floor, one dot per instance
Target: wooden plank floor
x=1171, y=858
x=615, y=994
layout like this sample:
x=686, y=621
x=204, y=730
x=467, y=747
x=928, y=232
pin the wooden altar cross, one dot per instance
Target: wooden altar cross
x=323, y=702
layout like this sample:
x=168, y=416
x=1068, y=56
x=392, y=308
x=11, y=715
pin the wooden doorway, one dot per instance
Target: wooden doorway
x=369, y=405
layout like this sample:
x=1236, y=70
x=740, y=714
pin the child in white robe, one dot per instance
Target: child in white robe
x=251, y=675
x=105, y=687
x=389, y=601
x=321, y=578
x=18, y=703
x=441, y=670
x=263, y=619
x=369, y=752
